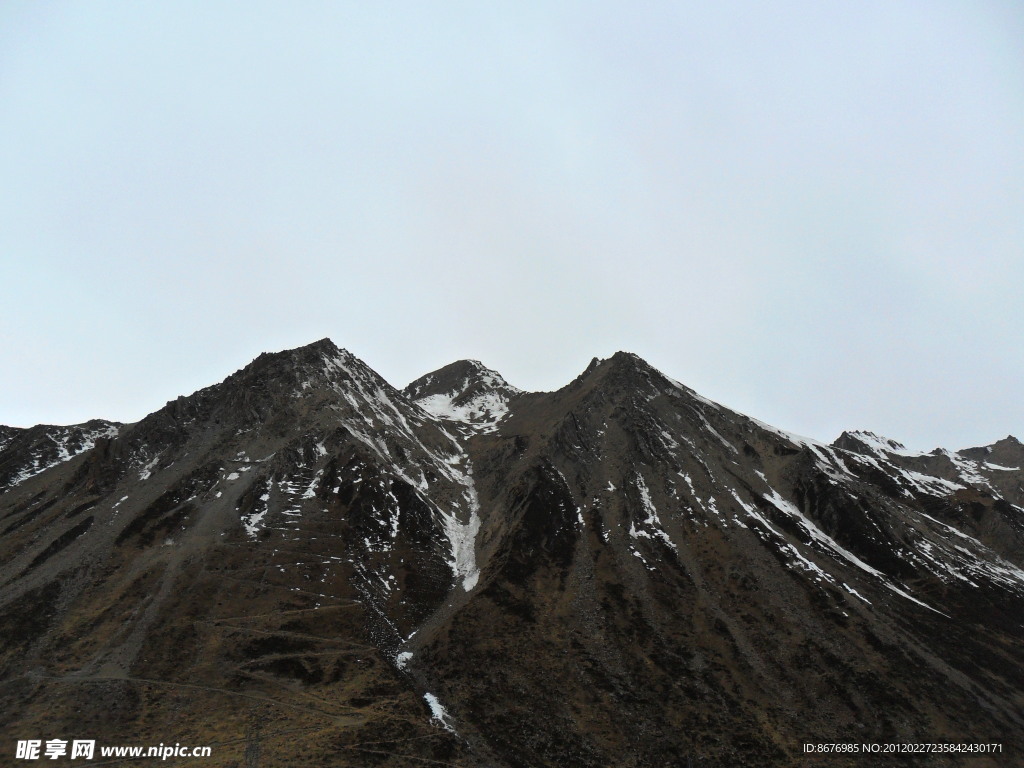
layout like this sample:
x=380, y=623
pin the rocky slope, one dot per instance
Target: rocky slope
x=304, y=566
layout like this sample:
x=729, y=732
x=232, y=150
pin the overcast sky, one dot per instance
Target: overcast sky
x=810, y=212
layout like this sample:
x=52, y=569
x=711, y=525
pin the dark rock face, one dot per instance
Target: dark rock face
x=304, y=566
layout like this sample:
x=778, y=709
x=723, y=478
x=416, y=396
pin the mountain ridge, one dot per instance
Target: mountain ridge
x=304, y=532
x=8, y=432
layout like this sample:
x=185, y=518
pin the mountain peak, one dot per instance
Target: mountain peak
x=625, y=370
x=321, y=359
x=625, y=359
x=281, y=389
x=466, y=391
x=313, y=351
x=320, y=345
x=1006, y=452
x=457, y=369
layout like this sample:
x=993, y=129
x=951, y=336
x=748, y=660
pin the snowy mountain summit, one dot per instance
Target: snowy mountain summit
x=464, y=391
x=339, y=572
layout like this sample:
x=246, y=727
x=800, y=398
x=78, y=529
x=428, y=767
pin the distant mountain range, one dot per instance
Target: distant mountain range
x=305, y=566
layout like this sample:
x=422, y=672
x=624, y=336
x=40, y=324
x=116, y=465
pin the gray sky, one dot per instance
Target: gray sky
x=810, y=212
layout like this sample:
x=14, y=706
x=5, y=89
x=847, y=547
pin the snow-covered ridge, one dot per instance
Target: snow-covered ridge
x=56, y=446
x=371, y=399
x=938, y=473
x=878, y=443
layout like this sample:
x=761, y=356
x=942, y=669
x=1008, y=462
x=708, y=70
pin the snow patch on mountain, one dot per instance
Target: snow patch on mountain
x=438, y=713
x=483, y=410
x=652, y=526
x=462, y=535
x=253, y=521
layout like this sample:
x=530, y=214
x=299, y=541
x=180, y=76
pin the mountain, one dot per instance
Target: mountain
x=466, y=392
x=305, y=566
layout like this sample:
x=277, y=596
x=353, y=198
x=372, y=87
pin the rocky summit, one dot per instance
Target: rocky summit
x=305, y=566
